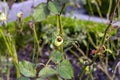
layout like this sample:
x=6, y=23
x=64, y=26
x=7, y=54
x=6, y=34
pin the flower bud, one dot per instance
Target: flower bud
x=3, y=17
x=31, y=25
x=58, y=41
x=19, y=14
x=93, y=51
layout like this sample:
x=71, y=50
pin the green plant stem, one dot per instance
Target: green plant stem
x=79, y=50
x=60, y=26
x=119, y=13
x=98, y=9
x=36, y=42
x=104, y=69
x=91, y=9
x=34, y=52
x=17, y=69
x=87, y=49
x=111, y=20
x=63, y=7
x=60, y=30
x=109, y=9
x=8, y=70
x=57, y=17
x=107, y=73
x=103, y=39
x=117, y=59
x=47, y=62
x=74, y=53
x=91, y=62
x=12, y=52
x=5, y=42
x=82, y=72
x=91, y=40
x=90, y=74
x=107, y=54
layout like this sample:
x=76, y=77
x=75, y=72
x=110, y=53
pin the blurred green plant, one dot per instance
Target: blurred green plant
x=47, y=26
x=101, y=7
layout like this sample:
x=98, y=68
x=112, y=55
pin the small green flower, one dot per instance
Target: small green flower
x=58, y=41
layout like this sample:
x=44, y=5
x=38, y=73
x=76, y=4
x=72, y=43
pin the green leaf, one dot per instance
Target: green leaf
x=56, y=56
x=23, y=78
x=65, y=70
x=53, y=78
x=84, y=2
x=53, y=8
x=62, y=1
x=39, y=79
x=56, y=5
x=11, y=27
x=47, y=72
x=40, y=12
x=26, y=69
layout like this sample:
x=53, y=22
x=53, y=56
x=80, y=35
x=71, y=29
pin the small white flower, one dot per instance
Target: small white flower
x=3, y=17
x=19, y=14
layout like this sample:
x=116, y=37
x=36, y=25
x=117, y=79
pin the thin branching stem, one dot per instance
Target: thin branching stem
x=111, y=20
